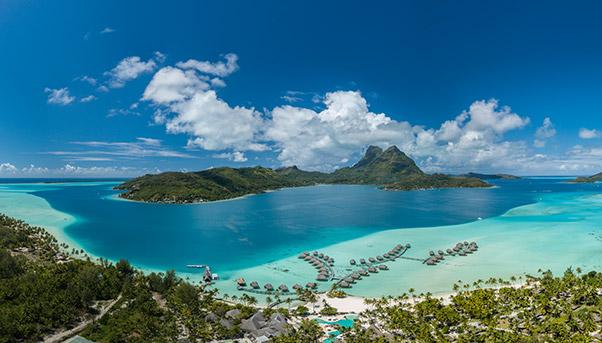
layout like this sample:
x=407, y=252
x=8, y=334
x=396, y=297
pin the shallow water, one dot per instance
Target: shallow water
x=528, y=224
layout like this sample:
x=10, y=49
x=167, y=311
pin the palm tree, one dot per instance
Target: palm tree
x=288, y=302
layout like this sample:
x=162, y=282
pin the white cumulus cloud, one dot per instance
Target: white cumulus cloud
x=221, y=69
x=187, y=103
x=544, y=132
x=59, y=96
x=129, y=69
x=7, y=168
x=589, y=133
x=235, y=156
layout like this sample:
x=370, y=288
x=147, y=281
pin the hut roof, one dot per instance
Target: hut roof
x=352, y=261
x=254, y=284
x=362, y=261
x=311, y=285
x=297, y=286
x=241, y=281
x=268, y=286
x=344, y=284
x=383, y=267
x=283, y=288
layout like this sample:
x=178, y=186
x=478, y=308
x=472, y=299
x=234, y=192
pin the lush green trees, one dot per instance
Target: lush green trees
x=43, y=292
x=307, y=332
x=548, y=308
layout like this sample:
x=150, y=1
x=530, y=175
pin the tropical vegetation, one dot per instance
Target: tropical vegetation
x=391, y=169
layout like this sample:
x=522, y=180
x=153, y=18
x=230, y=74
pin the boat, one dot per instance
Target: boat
x=195, y=266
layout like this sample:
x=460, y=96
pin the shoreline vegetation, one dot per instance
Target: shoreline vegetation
x=48, y=292
x=588, y=179
x=390, y=169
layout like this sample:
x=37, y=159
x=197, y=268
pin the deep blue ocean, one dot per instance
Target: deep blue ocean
x=261, y=228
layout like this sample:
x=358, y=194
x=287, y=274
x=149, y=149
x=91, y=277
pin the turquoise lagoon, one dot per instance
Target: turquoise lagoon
x=520, y=226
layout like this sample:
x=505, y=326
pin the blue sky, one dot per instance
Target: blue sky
x=114, y=88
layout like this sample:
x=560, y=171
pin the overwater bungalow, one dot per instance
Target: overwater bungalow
x=462, y=253
x=268, y=287
x=372, y=259
x=383, y=267
x=308, y=258
x=344, y=284
x=465, y=243
x=363, y=272
x=352, y=262
x=241, y=282
x=283, y=288
x=302, y=255
x=380, y=258
x=254, y=284
x=322, y=277
x=398, y=246
x=311, y=285
x=297, y=286
x=372, y=270
x=320, y=255
x=349, y=280
x=440, y=252
x=315, y=253
x=431, y=262
x=386, y=255
x=408, y=246
x=362, y=261
x=356, y=276
x=449, y=251
x=432, y=253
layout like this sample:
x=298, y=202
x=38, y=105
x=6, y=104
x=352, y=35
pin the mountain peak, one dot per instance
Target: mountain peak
x=378, y=166
x=370, y=155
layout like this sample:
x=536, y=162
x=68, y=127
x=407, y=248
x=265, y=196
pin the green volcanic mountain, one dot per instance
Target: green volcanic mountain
x=391, y=169
x=379, y=167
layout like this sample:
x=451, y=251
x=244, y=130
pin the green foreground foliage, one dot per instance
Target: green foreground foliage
x=43, y=291
x=547, y=309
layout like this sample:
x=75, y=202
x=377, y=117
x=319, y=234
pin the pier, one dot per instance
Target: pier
x=358, y=268
x=460, y=249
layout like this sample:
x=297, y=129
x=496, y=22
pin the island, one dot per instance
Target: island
x=390, y=169
x=588, y=179
x=492, y=176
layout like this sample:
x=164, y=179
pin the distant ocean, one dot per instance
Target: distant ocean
x=527, y=224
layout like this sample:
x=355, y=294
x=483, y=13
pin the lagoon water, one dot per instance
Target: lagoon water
x=526, y=225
